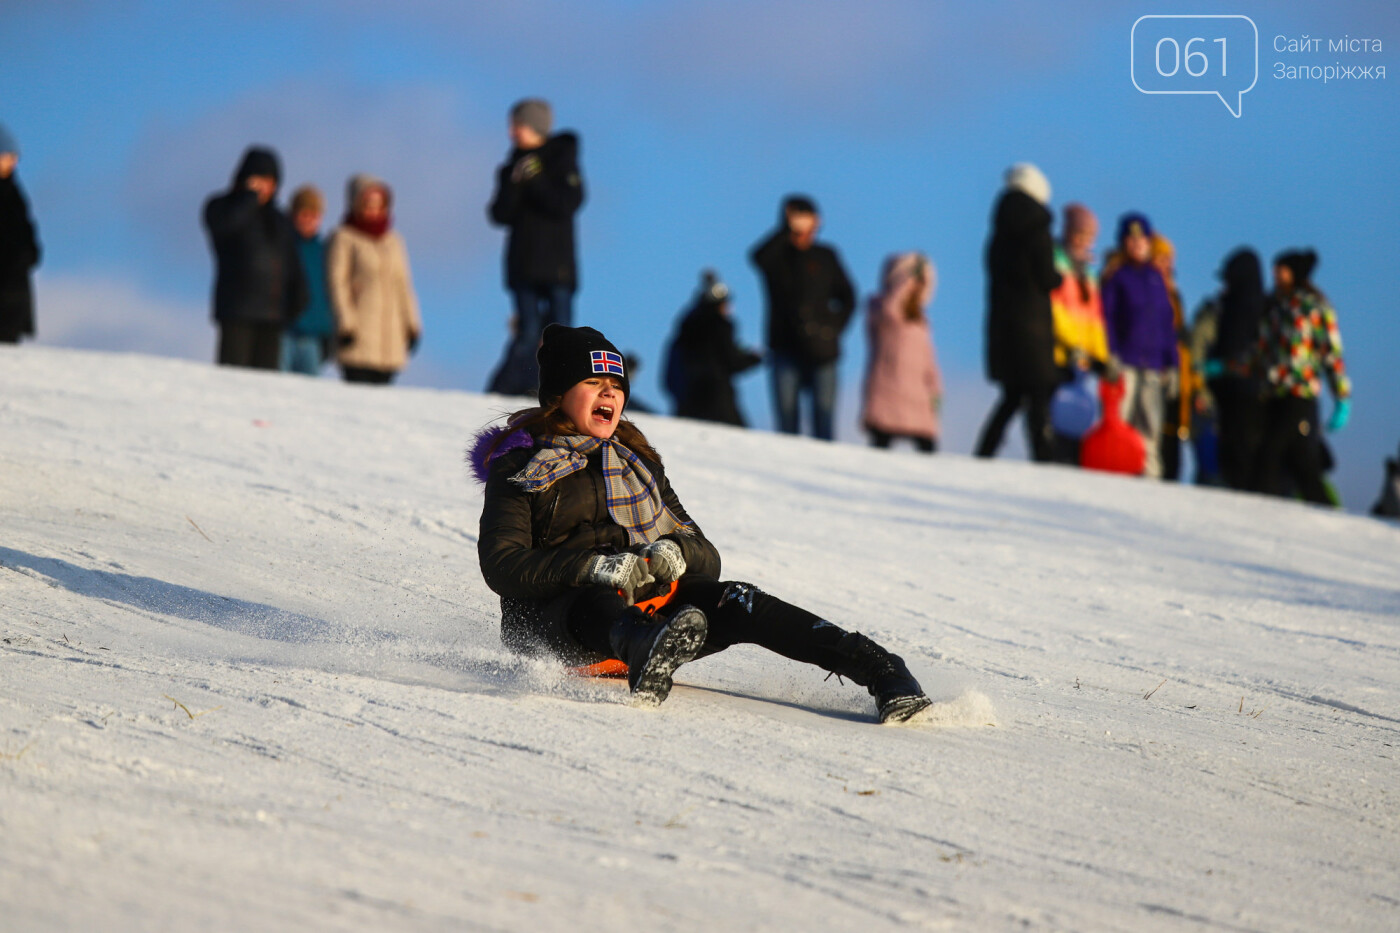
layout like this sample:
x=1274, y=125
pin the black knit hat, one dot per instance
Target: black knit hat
x=569, y=355
x=1301, y=263
x=713, y=291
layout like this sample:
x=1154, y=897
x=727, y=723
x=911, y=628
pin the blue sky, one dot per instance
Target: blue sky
x=696, y=118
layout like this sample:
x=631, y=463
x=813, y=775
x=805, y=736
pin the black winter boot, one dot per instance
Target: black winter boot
x=653, y=647
x=898, y=696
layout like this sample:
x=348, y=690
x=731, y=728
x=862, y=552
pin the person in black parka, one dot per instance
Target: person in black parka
x=19, y=248
x=1020, y=324
x=259, y=285
x=539, y=189
x=1388, y=504
x=580, y=526
x=709, y=358
x=810, y=303
x=1233, y=379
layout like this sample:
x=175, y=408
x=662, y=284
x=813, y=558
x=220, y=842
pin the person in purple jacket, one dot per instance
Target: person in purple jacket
x=1137, y=312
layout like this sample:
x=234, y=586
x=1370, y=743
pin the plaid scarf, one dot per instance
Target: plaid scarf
x=634, y=501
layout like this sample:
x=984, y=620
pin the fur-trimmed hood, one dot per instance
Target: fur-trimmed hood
x=485, y=448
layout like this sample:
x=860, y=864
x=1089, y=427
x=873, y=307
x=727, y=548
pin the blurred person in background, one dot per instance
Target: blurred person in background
x=1299, y=346
x=1205, y=415
x=1224, y=338
x=309, y=338
x=1388, y=503
x=705, y=357
x=1176, y=420
x=903, y=385
x=19, y=248
x=1137, y=311
x=539, y=189
x=810, y=303
x=1081, y=344
x=1020, y=323
x=258, y=282
x=371, y=288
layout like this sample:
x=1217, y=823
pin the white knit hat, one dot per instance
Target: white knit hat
x=1023, y=176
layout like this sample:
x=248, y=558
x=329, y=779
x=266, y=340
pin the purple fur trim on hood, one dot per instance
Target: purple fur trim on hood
x=477, y=456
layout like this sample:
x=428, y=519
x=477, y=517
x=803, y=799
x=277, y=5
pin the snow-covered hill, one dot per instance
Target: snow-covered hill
x=250, y=679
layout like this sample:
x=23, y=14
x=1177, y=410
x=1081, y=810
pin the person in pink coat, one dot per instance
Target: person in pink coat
x=903, y=387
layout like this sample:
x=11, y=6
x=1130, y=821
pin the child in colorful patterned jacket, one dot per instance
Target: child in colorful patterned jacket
x=1299, y=346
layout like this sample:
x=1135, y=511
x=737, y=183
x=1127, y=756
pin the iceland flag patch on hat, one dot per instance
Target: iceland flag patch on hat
x=605, y=361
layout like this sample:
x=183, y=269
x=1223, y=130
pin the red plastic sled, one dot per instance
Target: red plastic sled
x=1113, y=445
x=612, y=667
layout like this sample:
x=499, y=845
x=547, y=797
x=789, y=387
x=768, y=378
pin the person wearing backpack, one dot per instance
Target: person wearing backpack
x=704, y=357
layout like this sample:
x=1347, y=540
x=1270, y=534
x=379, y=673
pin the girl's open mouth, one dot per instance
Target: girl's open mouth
x=604, y=413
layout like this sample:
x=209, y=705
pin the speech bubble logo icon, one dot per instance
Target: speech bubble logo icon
x=1180, y=54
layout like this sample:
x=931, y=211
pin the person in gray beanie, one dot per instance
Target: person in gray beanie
x=19, y=248
x=539, y=189
x=534, y=114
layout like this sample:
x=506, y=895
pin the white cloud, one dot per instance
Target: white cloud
x=108, y=312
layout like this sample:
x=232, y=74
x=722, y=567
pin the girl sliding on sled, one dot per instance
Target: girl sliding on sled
x=595, y=558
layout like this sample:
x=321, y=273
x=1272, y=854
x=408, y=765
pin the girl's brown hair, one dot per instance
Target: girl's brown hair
x=546, y=419
x=913, y=308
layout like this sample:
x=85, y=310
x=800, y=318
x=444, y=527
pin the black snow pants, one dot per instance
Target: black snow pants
x=1291, y=449
x=1035, y=401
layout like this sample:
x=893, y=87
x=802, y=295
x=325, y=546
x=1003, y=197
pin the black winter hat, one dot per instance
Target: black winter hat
x=569, y=355
x=1301, y=263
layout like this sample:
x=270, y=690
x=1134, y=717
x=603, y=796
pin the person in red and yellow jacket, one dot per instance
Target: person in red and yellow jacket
x=1081, y=343
x=1080, y=340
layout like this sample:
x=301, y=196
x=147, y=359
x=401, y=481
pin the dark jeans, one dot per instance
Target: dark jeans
x=1240, y=416
x=374, y=377
x=1291, y=449
x=1035, y=400
x=793, y=376
x=535, y=309
x=1065, y=449
x=883, y=440
x=255, y=345
x=737, y=613
x=303, y=354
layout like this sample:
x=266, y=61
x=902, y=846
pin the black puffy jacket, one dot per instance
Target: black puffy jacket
x=19, y=253
x=258, y=279
x=540, y=214
x=810, y=297
x=710, y=359
x=534, y=548
x=1020, y=277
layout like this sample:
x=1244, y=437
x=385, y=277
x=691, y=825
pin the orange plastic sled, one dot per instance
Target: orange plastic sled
x=612, y=667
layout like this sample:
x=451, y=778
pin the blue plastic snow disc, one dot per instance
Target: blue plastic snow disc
x=1074, y=408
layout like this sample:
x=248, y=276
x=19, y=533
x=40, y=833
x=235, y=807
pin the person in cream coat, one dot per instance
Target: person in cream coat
x=376, y=311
